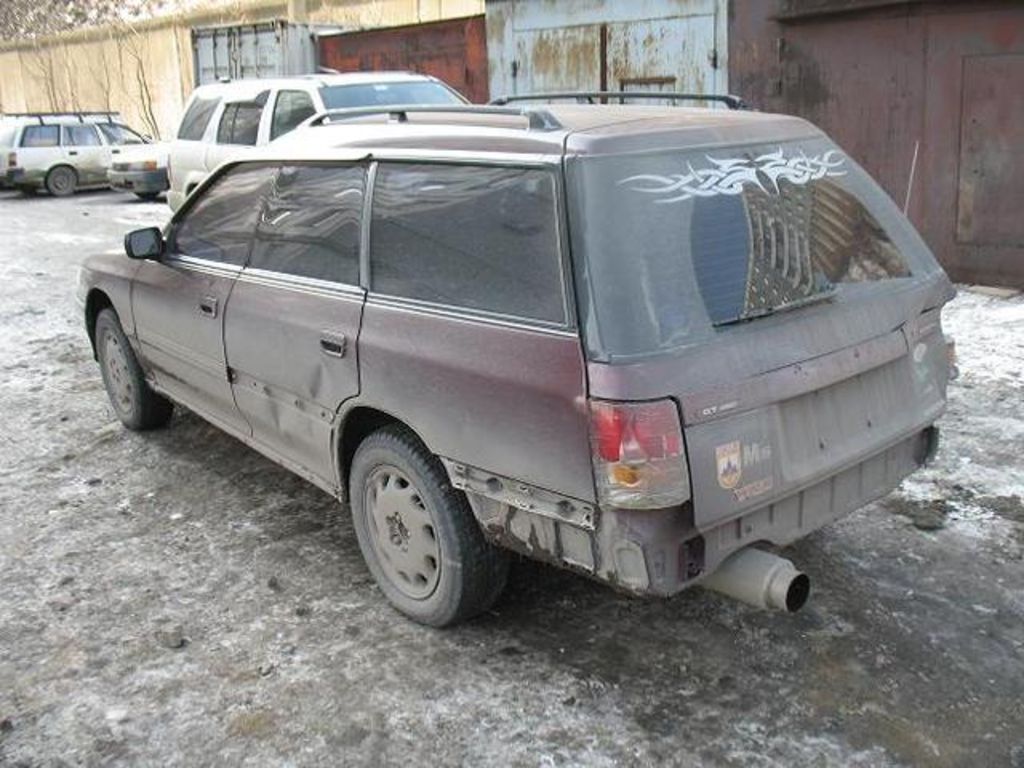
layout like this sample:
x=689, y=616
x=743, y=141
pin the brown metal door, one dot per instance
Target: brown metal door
x=454, y=51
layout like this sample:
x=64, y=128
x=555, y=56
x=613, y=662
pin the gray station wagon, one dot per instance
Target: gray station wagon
x=629, y=341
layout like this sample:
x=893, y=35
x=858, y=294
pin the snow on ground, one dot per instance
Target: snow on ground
x=175, y=599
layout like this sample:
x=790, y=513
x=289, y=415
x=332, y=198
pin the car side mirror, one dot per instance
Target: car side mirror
x=145, y=243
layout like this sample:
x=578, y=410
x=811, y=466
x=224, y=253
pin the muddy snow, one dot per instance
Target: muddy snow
x=175, y=599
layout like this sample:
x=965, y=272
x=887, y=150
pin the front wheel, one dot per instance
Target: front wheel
x=418, y=535
x=135, y=403
x=147, y=195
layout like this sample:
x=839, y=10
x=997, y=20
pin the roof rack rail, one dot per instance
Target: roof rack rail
x=733, y=102
x=70, y=113
x=538, y=118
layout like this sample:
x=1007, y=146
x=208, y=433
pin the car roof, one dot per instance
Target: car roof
x=232, y=88
x=577, y=129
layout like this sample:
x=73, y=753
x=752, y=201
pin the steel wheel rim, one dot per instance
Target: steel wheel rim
x=403, y=532
x=119, y=379
x=62, y=181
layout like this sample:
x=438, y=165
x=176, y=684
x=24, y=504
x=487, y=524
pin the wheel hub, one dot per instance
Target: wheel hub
x=118, y=375
x=403, y=532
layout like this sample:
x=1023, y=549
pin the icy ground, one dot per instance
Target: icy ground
x=174, y=599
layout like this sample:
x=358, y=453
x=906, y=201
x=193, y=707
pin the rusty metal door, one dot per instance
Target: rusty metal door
x=454, y=51
x=675, y=54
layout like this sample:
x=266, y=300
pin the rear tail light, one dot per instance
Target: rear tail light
x=638, y=454
x=12, y=159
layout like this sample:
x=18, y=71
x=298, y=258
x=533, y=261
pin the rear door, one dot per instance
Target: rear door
x=83, y=151
x=238, y=130
x=293, y=320
x=179, y=302
x=783, y=301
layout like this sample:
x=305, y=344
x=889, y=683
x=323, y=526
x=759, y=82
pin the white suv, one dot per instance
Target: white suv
x=226, y=120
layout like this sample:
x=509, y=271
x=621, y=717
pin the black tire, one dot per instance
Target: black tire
x=471, y=572
x=133, y=400
x=61, y=181
x=147, y=195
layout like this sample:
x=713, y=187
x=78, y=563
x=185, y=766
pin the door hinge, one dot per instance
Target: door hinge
x=713, y=58
x=231, y=375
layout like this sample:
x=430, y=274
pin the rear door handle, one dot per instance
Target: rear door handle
x=208, y=306
x=332, y=344
x=115, y=151
x=72, y=152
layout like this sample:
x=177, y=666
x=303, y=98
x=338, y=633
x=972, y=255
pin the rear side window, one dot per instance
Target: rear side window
x=193, y=125
x=40, y=136
x=240, y=124
x=290, y=109
x=480, y=238
x=219, y=225
x=81, y=136
x=310, y=223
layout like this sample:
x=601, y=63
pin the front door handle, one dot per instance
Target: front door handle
x=332, y=344
x=208, y=306
x=72, y=152
x=115, y=151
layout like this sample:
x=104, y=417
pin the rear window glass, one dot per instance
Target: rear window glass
x=240, y=124
x=219, y=225
x=465, y=236
x=309, y=226
x=40, y=136
x=387, y=94
x=675, y=244
x=193, y=125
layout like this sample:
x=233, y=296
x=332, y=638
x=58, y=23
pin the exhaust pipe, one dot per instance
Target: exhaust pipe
x=761, y=579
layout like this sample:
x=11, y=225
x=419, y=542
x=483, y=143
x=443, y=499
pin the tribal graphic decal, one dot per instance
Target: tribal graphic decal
x=728, y=176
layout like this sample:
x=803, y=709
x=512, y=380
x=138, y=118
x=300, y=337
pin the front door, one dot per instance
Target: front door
x=179, y=303
x=293, y=321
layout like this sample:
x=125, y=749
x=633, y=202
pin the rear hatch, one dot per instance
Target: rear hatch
x=776, y=294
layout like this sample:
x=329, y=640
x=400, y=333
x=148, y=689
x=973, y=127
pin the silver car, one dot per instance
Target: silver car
x=629, y=341
x=63, y=152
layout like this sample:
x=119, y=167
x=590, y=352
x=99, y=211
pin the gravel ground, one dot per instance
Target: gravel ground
x=176, y=599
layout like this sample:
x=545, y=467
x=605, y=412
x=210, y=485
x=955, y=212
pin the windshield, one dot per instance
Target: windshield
x=388, y=94
x=678, y=244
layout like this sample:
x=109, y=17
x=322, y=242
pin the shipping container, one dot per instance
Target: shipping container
x=270, y=49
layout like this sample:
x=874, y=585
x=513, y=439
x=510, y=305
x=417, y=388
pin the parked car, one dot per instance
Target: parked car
x=63, y=152
x=629, y=341
x=229, y=120
x=141, y=169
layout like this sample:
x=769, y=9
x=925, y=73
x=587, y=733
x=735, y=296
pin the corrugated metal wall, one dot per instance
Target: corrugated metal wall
x=559, y=45
x=944, y=80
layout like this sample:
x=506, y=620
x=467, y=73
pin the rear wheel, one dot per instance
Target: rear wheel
x=134, y=401
x=61, y=181
x=418, y=535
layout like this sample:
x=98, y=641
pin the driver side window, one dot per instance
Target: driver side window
x=219, y=225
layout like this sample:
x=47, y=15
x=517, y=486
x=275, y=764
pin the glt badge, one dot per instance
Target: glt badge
x=729, y=460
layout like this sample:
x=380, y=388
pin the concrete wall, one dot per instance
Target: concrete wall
x=144, y=70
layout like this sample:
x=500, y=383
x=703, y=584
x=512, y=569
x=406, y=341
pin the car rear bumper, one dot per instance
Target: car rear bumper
x=142, y=182
x=661, y=552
